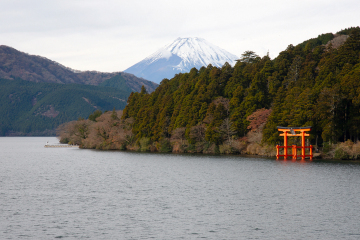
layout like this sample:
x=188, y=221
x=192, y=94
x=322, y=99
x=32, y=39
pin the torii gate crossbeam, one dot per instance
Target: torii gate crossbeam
x=291, y=132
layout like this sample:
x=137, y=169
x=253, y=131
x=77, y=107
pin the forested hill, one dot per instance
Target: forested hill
x=29, y=108
x=316, y=83
x=38, y=94
x=15, y=64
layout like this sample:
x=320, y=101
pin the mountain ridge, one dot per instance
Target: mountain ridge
x=37, y=94
x=16, y=64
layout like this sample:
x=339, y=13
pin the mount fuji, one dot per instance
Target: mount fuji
x=181, y=56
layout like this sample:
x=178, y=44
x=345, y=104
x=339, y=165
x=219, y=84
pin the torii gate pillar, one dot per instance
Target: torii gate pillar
x=291, y=132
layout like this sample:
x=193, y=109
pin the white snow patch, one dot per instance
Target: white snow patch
x=161, y=53
x=194, y=51
x=188, y=53
x=165, y=54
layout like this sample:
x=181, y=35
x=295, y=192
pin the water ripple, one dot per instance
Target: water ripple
x=77, y=194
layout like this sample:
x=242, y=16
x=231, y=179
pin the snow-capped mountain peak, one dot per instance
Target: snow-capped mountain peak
x=180, y=56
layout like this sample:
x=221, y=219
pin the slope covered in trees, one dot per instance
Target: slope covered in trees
x=41, y=102
x=316, y=83
x=15, y=64
x=38, y=108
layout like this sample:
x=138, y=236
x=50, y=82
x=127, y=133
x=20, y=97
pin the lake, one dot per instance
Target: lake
x=71, y=193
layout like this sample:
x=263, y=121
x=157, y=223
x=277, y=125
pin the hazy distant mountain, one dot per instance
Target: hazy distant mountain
x=29, y=108
x=180, y=56
x=16, y=64
x=37, y=94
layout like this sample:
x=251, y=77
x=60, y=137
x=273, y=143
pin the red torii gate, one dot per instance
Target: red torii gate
x=291, y=132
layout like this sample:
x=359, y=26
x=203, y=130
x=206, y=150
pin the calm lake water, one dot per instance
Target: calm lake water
x=70, y=193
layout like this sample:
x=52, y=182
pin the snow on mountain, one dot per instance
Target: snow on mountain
x=180, y=56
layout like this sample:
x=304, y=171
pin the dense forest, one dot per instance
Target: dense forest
x=316, y=83
x=29, y=108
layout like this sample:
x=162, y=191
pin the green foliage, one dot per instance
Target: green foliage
x=143, y=90
x=321, y=95
x=165, y=146
x=144, y=144
x=95, y=115
x=249, y=57
x=114, y=115
x=326, y=147
x=322, y=39
x=347, y=31
x=341, y=154
x=212, y=110
x=116, y=82
x=306, y=85
x=38, y=108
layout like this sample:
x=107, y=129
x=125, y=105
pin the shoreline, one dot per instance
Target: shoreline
x=315, y=159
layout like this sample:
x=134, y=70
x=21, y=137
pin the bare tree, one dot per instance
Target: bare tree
x=227, y=129
x=294, y=71
x=179, y=134
x=65, y=131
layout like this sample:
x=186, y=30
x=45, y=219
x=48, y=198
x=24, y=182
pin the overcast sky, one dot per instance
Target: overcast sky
x=112, y=35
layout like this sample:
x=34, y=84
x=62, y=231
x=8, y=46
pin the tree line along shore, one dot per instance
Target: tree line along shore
x=236, y=110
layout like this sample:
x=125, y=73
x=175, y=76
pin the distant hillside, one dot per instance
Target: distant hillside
x=16, y=64
x=29, y=108
x=180, y=57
